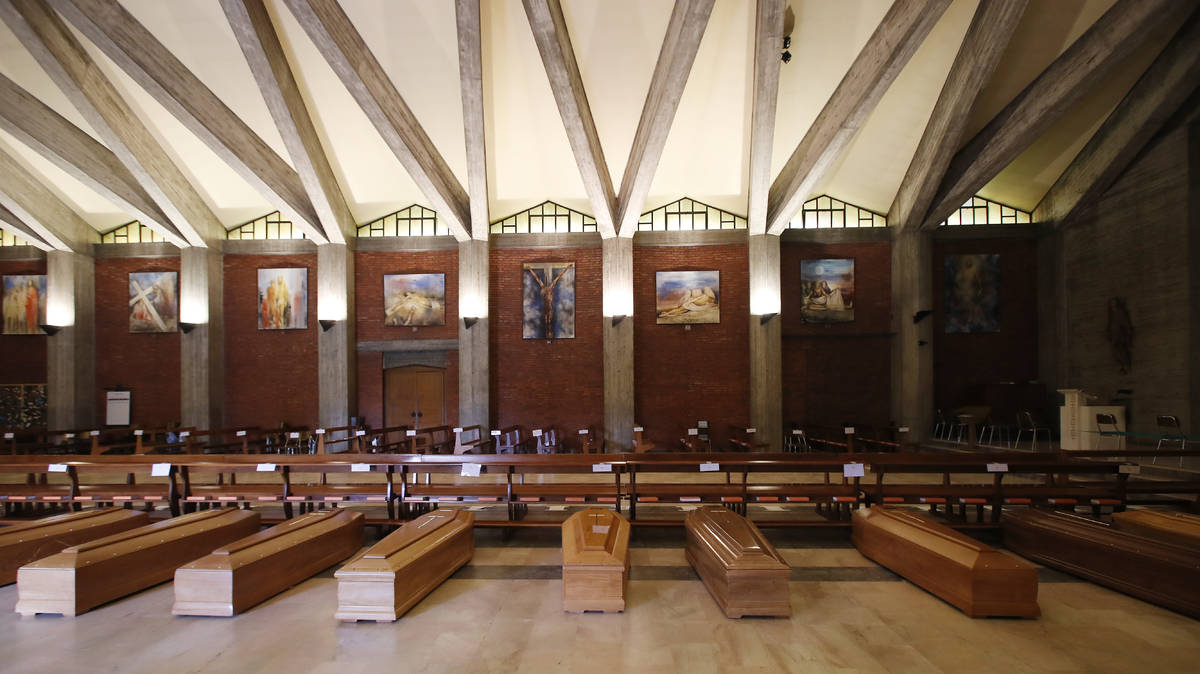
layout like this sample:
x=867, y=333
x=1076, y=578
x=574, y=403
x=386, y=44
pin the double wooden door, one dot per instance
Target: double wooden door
x=414, y=396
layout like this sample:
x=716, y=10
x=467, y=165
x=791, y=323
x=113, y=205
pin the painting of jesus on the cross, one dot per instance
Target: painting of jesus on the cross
x=153, y=301
x=548, y=293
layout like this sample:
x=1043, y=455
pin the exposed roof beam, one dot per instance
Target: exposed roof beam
x=33, y=204
x=51, y=43
x=470, y=73
x=340, y=43
x=985, y=41
x=893, y=43
x=1075, y=72
x=680, y=44
x=554, y=43
x=137, y=52
x=1161, y=91
x=77, y=153
x=260, y=44
x=768, y=43
x=11, y=223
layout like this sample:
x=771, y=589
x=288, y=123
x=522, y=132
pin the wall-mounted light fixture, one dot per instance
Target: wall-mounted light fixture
x=766, y=318
x=50, y=329
x=616, y=320
x=470, y=321
x=326, y=324
x=920, y=315
x=187, y=327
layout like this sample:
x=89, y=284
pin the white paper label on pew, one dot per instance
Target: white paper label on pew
x=1129, y=468
x=797, y=431
x=94, y=433
x=139, y=432
x=601, y=467
x=266, y=468
x=57, y=468
x=294, y=436
x=8, y=436
x=495, y=434
x=160, y=469
x=537, y=432
x=69, y=436
x=458, y=429
x=852, y=469
x=751, y=431
x=360, y=468
x=849, y=430
x=410, y=434
x=184, y=434
x=470, y=470
x=360, y=433
x=708, y=467
x=637, y=429
x=320, y=431
x=584, y=431
x=240, y=434
x=600, y=528
x=997, y=467
x=693, y=431
x=903, y=429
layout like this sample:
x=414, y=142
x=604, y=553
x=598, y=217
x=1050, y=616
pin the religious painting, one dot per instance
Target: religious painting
x=283, y=299
x=24, y=304
x=153, y=301
x=414, y=299
x=972, y=289
x=687, y=297
x=548, y=300
x=827, y=287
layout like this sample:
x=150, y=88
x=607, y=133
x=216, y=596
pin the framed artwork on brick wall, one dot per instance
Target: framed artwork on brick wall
x=24, y=304
x=687, y=297
x=548, y=300
x=154, y=301
x=827, y=287
x=972, y=287
x=414, y=299
x=283, y=299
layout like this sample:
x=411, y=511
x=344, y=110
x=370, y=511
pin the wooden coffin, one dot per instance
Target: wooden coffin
x=741, y=569
x=87, y=575
x=1169, y=526
x=977, y=579
x=239, y=575
x=398, y=571
x=1158, y=571
x=26, y=542
x=595, y=544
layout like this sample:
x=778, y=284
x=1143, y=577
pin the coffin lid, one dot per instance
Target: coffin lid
x=595, y=536
x=936, y=537
x=276, y=539
x=1068, y=526
x=733, y=539
x=48, y=526
x=159, y=532
x=1164, y=525
x=412, y=532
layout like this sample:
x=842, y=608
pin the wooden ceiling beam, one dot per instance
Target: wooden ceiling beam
x=470, y=72
x=768, y=46
x=39, y=209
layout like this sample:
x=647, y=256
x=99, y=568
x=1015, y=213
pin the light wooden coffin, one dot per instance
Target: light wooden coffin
x=739, y=566
x=26, y=542
x=595, y=544
x=87, y=575
x=398, y=571
x=1169, y=526
x=977, y=579
x=239, y=575
x=1157, y=571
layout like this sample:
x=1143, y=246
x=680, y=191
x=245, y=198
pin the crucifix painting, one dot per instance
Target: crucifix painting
x=153, y=301
x=548, y=300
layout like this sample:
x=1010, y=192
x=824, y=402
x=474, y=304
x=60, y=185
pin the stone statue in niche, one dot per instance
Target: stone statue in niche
x=1120, y=333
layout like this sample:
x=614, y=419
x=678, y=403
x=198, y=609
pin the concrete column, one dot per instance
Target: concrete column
x=912, y=346
x=618, y=343
x=1193, y=210
x=766, y=349
x=337, y=363
x=202, y=351
x=71, y=353
x=1052, y=311
x=473, y=381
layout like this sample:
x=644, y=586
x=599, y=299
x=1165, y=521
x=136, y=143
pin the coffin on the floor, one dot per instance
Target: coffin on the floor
x=595, y=545
x=977, y=579
x=87, y=575
x=1169, y=526
x=1160, y=572
x=239, y=575
x=739, y=566
x=398, y=571
x=27, y=542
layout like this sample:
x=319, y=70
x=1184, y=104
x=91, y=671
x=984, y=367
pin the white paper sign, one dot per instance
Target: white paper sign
x=139, y=432
x=601, y=467
x=702, y=424
x=751, y=431
x=797, y=431
x=410, y=434
x=1129, y=468
x=600, y=528
x=584, y=431
x=458, y=429
x=997, y=467
x=294, y=436
x=537, y=432
x=693, y=431
x=57, y=468
x=69, y=436
x=849, y=430
x=320, y=431
x=266, y=468
x=160, y=469
x=852, y=469
x=708, y=467
x=903, y=429
x=184, y=434
x=360, y=433
x=360, y=468
x=8, y=436
x=94, y=434
x=637, y=429
x=470, y=470
x=495, y=434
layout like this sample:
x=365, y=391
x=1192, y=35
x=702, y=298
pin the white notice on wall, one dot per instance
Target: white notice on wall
x=160, y=469
x=266, y=468
x=240, y=434
x=410, y=434
x=537, y=432
x=360, y=468
x=709, y=467
x=57, y=468
x=116, y=408
x=702, y=424
x=997, y=468
x=693, y=431
x=470, y=470
x=852, y=469
x=601, y=467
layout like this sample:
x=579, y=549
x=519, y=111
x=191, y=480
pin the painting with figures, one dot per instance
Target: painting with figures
x=153, y=301
x=972, y=293
x=548, y=300
x=414, y=299
x=687, y=297
x=283, y=299
x=827, y=287
x=24, y=304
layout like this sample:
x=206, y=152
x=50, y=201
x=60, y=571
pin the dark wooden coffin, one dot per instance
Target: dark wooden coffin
x=26, y=542
x=1169, y=526
x=246, y=572
x=398, y=571
x=977, y=579
x=741, y=569
x=595, y=545
x=1157, y=571
x=84, y=576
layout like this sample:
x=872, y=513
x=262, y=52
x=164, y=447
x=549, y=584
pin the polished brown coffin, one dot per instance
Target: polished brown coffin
x=1157, y=571
x=26, y=542
x=239, y=575
x=398, y=571
x=977, y=579
x=741, y=569
x=595, y=544
x=1169, y=526
x=87, y=575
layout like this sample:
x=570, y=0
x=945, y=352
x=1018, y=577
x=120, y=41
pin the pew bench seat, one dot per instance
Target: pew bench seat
x=28, y=493
x=690, y=493
x=802, y=493
x=124, y=493
x=581, y=492
x=234, y=493
x=339, y=492
x=417, y=493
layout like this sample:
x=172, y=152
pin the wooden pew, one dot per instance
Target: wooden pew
x=640, y=445
x=545, y=440
x=509, y=441
x=464, y=444
x=595, y=544
x=741, y=569
x=977, y=579
x=251, y=570
x=1154, y=570
x=85, y=576
x=393, y=575
x=27, y=542
x=587, y=441
x=1169, y=526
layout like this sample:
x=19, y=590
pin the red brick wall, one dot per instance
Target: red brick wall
x=684, y=376
x=837, y=373
x=24, y=356
x=369, y=269
x=145, y=363
x=539, y=384
x=270, y=375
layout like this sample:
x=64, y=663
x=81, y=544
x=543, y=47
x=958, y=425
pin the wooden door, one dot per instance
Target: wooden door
x=414, y=396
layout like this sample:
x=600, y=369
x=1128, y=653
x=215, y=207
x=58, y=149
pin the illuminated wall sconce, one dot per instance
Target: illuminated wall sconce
x=616, y=320
x=766, y=318
x=187, y=327
x=50, y=329
x=326, y=324
x=470, y=321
